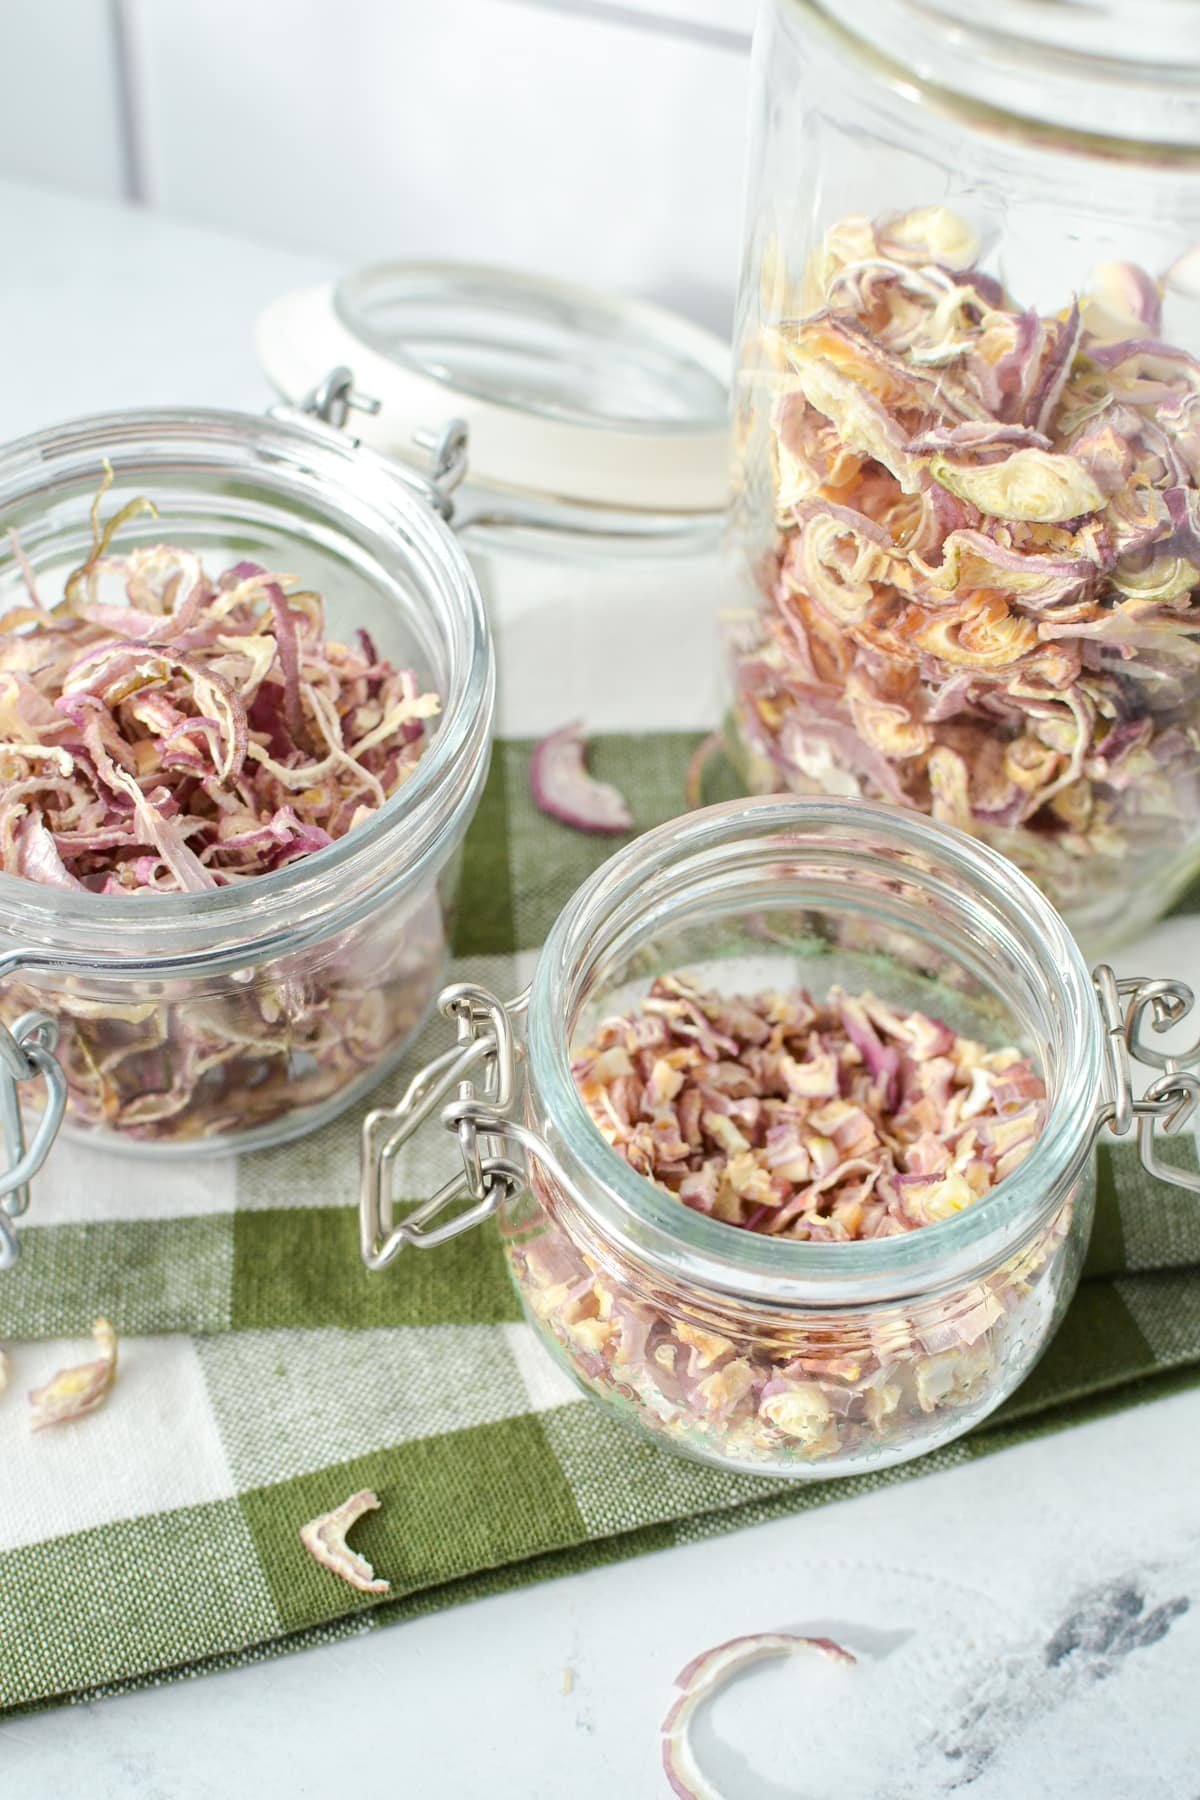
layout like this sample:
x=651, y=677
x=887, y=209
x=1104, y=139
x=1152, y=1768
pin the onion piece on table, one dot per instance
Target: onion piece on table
x=702, y=1677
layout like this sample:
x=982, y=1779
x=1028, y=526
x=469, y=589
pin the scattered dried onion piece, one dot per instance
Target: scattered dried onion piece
x=698, y=763
x=563, y=789
x=167, y=729
x=325, y=1540
x=73, y=1392
x=701, y=1678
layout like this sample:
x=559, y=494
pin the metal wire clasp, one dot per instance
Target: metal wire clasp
x=1172, y=1095
x=486, y=1053
x=493, y=1143
x=333, y=400
x=26, y=1051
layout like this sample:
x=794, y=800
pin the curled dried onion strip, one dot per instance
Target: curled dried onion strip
x=325, y=1540
x=563, y=788
x=76, y=1391
x=701, y=1678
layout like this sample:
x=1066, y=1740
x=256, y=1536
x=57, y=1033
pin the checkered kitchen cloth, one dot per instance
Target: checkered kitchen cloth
x=264, y=1375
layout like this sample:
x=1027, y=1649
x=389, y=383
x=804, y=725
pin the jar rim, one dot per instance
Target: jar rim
x=654, y=1224
x=72, y=927
x=910, y=75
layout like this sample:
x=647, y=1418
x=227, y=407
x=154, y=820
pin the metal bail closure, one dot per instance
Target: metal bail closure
x=26, y=1051
x=1174, y=1091
x=333, y=400
x=491, y=1141
x=486, y=1052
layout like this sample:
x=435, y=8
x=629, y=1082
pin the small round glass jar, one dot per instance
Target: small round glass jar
x=599, y=466
x=967, y=425
x=757, y=1353
x=234, y=1018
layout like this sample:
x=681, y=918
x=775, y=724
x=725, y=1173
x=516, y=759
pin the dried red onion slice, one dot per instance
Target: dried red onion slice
x=700, y=1680
x=79, y=1390
x=563, y=788
x=325, y=1540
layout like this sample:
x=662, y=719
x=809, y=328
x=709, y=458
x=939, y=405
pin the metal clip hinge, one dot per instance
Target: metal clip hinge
x=493, y=1144
x=335, y=397
x=486, y=1053
x=1171, y=1097
x=26, y=1051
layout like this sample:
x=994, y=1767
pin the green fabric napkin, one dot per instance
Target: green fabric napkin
x=265, y=1376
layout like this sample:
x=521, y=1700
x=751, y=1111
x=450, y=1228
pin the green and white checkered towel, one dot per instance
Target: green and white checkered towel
x=265, y=1376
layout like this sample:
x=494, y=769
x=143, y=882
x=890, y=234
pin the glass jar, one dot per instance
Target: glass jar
x=236, y=1017
x=760, y=1353
x=595, y=500
x=967, y=416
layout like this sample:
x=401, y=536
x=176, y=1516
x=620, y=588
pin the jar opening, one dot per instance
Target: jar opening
x=783, y=893
x=302, y=500
x=536, y=346
x=1117, y=79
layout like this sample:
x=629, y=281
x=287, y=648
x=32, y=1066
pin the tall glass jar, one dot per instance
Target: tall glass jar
x=760, y=1353
x=235, y=1017
x=968, y=430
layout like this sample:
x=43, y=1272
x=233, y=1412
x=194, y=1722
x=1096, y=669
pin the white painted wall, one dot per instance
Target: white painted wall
x=601, y=140
x=61, y=113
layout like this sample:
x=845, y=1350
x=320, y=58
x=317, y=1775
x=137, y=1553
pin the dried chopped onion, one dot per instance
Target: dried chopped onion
x=827, y=1121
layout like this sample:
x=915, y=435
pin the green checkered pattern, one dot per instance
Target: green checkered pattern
x=264, y=1375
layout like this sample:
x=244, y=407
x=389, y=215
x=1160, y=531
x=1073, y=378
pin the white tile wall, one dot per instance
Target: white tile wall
x=582, y=139
x=61, y=114
x=601, y=140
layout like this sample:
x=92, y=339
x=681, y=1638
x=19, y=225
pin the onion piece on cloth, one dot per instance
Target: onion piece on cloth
x=697, y=768
x=563, y=788
x=701, y=1679
x=325, y=1540
x=76, y=1391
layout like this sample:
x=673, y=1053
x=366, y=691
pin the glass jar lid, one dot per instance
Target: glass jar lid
x=568, y=393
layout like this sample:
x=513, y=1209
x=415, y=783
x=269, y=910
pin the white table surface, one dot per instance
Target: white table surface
x=1022, y=1623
